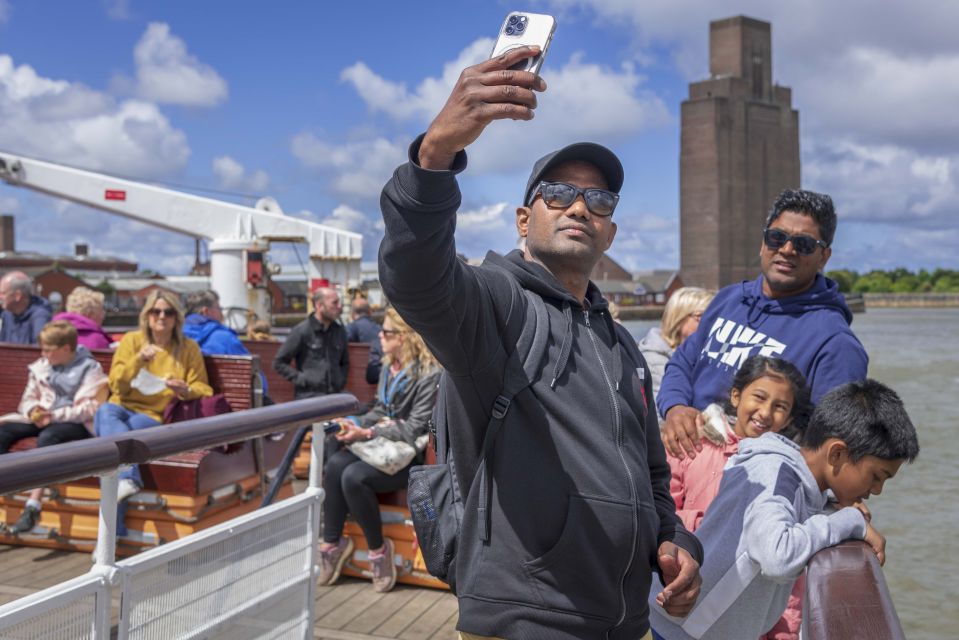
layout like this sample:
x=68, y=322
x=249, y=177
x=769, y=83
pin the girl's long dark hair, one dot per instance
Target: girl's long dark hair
x=757, y=367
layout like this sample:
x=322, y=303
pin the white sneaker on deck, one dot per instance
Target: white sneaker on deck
x=126, y=488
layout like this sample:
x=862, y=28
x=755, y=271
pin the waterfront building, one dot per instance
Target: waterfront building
x=739, y=147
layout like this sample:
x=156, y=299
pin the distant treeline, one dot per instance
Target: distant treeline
x=897, y=281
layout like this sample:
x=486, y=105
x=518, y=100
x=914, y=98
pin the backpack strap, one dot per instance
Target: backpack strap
x=522, y=368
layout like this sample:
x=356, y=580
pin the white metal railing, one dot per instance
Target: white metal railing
x=252, y=577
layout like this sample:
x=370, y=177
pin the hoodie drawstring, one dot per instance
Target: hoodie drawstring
x=567, y=345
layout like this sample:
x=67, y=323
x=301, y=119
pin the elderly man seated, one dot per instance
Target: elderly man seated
x=24, y=314
x=204, y=323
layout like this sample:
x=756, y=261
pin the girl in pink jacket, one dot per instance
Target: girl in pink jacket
x=768, y=395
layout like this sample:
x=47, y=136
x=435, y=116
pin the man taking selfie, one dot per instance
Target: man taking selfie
x=578, y=514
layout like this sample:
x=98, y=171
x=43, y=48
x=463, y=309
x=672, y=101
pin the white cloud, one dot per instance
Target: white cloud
x=167, y=73
x=74, y=124
x=885, y=183
x=872, y=76
x=359, y=169
x=394, y=99
x=583, y=101
x=489, y=218
x=232, y=175
x=117, y=9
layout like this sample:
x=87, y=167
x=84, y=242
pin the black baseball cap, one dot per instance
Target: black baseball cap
x=595, y=154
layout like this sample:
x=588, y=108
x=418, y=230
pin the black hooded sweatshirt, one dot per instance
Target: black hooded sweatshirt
x=580, y=494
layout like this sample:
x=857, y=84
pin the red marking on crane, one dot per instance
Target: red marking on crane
x=115, y=194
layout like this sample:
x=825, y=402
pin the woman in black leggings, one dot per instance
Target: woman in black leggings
x=404, y=402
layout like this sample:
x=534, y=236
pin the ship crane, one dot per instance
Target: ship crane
x=238, y=236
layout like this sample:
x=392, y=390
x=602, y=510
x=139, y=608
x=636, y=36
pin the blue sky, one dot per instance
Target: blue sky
x=315, y=104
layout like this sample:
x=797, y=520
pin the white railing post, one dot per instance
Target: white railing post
x=315, y=488
x=105, y=552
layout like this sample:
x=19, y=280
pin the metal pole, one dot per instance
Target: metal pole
x=284, y=467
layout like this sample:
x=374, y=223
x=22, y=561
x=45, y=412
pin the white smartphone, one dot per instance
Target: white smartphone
x=525, y=29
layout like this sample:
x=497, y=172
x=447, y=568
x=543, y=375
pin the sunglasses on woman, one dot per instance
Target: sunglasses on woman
x=166, y=313
x=804, y=245
x=600, y=202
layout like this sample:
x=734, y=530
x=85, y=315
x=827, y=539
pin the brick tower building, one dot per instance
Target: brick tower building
x=739, y=147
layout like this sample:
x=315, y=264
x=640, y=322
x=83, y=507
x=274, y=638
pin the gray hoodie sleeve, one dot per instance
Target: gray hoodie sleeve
x=779, y=543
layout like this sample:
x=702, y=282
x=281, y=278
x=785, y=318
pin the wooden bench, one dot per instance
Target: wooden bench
x=181, y=494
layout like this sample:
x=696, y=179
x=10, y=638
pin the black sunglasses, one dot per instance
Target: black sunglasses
x=167, y=313
x=804, y=245
x=600, y=202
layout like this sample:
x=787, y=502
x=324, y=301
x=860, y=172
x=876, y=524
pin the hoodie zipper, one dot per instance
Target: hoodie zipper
x=618, y=434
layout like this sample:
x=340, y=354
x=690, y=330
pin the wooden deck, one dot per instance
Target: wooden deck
x=350, y=610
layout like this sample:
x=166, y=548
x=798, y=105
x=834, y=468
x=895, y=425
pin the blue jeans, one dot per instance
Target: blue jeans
x=112, y=419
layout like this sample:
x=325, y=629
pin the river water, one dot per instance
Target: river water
x=916, y=352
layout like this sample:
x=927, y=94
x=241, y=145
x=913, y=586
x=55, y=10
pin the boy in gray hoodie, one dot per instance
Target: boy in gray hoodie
x=770, y=516
x=64, y=389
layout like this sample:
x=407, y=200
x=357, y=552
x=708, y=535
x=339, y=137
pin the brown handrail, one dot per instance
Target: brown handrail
x=847, y=596
x=72, y=460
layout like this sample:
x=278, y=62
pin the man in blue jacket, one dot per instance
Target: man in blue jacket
x=204, y=324
x=24, y=314
x=790, y=311
x=579, y=510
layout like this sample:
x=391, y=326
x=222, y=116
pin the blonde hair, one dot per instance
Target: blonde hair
x=683, y=303
x=170, y=299
x=57, y=334
x=85, y=301
x=413, y=350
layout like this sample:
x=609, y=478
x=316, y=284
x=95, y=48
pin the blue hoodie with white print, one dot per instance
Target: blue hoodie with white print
x=810, y=330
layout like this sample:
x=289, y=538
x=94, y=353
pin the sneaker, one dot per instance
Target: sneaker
x=332, y=561
x=126, y=488
x=384, y=571
x=27, y=520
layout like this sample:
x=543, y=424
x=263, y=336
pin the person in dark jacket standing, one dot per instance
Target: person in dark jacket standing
x=581, y=513
x=24, y=314
x=365, y=329
x=318, y=348
x=790, y=311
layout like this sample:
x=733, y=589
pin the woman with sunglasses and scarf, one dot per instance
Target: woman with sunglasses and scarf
x=151, y=367
x=404, y=403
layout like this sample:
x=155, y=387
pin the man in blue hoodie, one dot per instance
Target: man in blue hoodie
x=790, y=311
x=204, y=324
x=24, y=314
x=579, y=515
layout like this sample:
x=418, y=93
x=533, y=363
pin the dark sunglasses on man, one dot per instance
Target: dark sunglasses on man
x=600, y=202
x=805, y=245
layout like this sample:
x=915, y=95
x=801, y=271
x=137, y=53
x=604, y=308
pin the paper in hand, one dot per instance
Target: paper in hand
x=147, y=383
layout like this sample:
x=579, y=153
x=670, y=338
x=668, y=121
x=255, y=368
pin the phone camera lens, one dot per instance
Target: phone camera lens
x=520, y=27
x=513, y=20
x=510, y=31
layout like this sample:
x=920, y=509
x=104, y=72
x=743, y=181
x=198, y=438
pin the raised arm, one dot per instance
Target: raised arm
x=432, y=289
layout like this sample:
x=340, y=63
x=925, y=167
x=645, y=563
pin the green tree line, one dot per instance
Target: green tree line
x=899, y=280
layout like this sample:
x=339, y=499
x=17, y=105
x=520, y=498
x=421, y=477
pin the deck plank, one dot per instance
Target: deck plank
x=431, y=620
x=376, y=615
x=403, y=618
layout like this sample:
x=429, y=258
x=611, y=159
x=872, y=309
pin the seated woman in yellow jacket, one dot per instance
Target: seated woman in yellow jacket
x=151, y=367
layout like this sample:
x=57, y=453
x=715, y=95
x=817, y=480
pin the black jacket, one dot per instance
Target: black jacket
x=580, y=479
x=321, y=357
